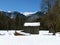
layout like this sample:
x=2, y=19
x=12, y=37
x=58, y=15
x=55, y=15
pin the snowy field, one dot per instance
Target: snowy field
x=44, y=38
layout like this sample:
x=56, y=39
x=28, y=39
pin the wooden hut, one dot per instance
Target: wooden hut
x=31, y=27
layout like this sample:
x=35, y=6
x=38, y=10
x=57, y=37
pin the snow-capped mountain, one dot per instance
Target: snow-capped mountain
x=35, y=16
x=9, y=11
x=28, y=13
x=12, y=14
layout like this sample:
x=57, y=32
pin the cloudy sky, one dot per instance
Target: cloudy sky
x=20, y=5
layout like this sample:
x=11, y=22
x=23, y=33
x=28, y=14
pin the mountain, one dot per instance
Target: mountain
x=13, y=14
x=34, y=17
x=28, y=16
x=28, y=13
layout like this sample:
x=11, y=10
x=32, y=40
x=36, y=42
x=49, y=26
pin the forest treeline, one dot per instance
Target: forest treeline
x=8, y=23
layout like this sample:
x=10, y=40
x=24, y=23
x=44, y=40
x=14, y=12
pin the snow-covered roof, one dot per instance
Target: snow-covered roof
x=32, y=24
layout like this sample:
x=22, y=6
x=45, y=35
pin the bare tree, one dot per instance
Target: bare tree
x=52, y=17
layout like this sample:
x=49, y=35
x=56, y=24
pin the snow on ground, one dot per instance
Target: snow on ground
x=44, y=38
